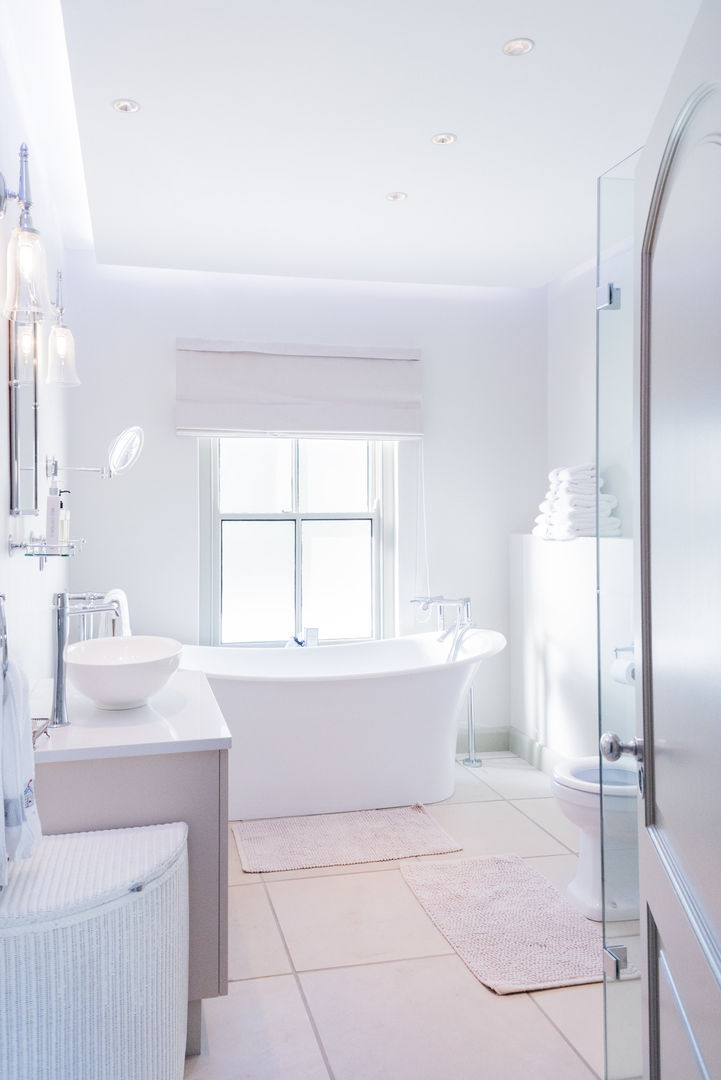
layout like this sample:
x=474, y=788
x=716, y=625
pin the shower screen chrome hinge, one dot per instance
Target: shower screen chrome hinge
x=615, y=960
x=608, y=296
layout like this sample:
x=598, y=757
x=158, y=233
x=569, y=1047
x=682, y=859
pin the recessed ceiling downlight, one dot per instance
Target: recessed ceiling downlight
x=396, y=196
x=126, y=105
x=443, y=138
x=518, y=46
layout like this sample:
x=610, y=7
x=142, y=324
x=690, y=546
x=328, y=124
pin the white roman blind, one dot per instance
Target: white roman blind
x=225, y=388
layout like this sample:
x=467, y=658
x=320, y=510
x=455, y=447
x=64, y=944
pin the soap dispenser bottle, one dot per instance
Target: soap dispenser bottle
x=64, y=524
x=52, y=518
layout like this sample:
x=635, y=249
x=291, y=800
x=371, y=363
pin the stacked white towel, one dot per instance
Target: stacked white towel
x=21, y=832
x=569, y=508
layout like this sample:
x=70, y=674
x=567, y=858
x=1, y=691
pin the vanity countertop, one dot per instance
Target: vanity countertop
x=184, y=716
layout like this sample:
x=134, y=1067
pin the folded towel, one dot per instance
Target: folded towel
x=21, y=831
x=573, y=472
x=566, y=505
x=553, y=531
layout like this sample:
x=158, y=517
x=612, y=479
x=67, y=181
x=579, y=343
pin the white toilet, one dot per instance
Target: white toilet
x=576, y=785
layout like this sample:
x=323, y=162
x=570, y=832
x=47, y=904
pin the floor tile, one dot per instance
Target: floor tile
x=353, y=919
x=577, y=1011
x=236, y=874
x=260, y=1031
x=559, y=869
x=255, y=947
x=624, y=1019
x=516, y=783
x=548, y=814
x=469, y=788
x=493, y=828
x=430, y=1019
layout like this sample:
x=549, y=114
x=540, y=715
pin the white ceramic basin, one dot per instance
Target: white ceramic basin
x=122, y=672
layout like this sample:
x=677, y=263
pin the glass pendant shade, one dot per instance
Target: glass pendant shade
x=27, y=297
x=25, y=354
x=61, y=358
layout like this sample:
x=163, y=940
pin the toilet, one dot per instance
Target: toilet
x=576, y=785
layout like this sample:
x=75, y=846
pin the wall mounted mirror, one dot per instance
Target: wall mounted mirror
x=23, y=418
x=124, y=451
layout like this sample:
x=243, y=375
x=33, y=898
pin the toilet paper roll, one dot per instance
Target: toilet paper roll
x=623, y=671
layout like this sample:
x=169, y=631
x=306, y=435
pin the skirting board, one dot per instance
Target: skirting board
x=487, y=739
x=535, y=753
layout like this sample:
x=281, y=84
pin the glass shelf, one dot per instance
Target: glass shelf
x=37, y=548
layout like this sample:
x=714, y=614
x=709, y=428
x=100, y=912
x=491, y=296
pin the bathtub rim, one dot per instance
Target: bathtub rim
x=473, y=660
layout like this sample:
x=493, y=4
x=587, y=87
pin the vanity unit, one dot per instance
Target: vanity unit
x=162, y=762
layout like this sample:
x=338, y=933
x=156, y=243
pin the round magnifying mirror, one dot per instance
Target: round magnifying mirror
x=124, y=450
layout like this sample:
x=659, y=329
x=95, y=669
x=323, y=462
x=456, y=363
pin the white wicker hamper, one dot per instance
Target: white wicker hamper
x=94, y=957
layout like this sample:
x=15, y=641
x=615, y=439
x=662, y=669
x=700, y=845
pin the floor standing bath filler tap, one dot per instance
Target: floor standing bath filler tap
x=462, y=608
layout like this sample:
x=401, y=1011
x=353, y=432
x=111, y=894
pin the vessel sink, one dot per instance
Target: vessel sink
x=122, y=672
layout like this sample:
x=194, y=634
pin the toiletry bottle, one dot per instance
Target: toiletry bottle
x=64, y=529
x=52, y=519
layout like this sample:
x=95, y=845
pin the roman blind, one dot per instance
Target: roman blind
x=225, y=388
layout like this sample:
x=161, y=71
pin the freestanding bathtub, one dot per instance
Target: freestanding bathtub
x=341, y=727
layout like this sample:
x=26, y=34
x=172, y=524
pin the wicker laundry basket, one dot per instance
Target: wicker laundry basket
x=94, y=957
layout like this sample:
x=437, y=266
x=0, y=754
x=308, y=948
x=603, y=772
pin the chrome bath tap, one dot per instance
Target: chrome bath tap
x=66, y=605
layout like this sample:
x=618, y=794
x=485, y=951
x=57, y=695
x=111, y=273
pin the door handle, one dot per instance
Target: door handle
x=612, y=748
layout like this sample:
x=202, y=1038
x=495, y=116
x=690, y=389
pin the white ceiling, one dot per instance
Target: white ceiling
x=270, y=131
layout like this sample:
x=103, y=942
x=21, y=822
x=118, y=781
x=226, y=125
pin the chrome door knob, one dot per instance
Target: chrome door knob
x=612, y=748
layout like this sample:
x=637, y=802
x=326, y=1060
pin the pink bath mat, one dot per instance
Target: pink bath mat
x=300, y=843
x=508, y=923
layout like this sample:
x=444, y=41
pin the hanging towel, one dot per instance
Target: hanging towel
x=123, y=629
x=22, y=830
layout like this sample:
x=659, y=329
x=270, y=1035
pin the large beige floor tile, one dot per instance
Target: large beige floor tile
x=559, y=869
x=521, y=782
x=493, y=828
x=469, y=788
x=625, y=1023
x=353, y=919
x=577, y=1011
x=548, y=814
x=255, y=947
x=432, y=1020
x=260, y=1031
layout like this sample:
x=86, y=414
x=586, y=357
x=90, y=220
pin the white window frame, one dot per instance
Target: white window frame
x=382, y=513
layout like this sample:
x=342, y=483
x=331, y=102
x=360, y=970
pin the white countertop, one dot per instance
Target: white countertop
x=184, y=716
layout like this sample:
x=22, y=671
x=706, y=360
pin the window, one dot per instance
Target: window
x=300, y=535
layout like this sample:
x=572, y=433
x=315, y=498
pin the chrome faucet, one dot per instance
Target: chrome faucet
x=66, y=605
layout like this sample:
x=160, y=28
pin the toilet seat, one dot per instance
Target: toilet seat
x=582, y=775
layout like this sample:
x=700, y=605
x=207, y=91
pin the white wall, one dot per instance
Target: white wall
x=571, y=401
x=484, y=387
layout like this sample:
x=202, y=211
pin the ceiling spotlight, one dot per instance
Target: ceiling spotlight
x=518, y=47
x=126, y=105
x=396, y=196
x=444, y=138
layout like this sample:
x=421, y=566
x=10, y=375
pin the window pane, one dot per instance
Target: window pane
x=257, y=581
x=256, y=476
x=337, y=578
x=333, y=475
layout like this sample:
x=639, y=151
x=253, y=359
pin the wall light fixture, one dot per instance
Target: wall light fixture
x=61, y=346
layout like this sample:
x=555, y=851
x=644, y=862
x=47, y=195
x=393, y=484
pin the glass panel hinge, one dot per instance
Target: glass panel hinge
x=615, y=960
x=608, y=296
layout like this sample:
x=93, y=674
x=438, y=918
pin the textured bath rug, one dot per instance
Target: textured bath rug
x=507, y=923
x=299, y=843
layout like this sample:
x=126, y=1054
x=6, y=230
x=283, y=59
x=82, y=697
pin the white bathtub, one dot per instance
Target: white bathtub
x=341, y=727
